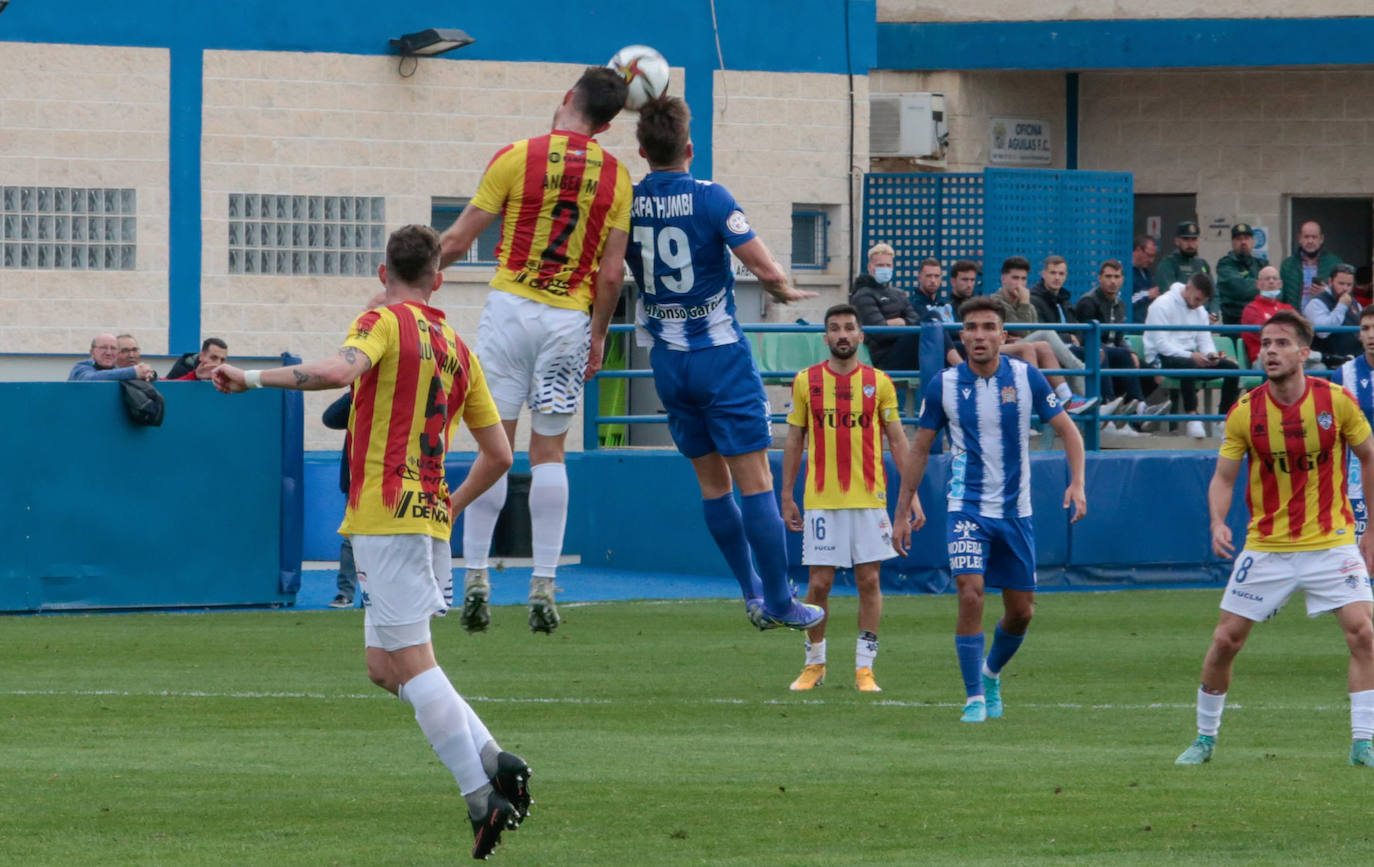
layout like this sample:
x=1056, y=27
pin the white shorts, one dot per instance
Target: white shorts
x=1262, y=581
x=845, y=537
x=533, y=354
x=405, y=579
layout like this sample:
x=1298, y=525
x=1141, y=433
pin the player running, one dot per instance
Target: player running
x=566, y=207
x=843, y=408
x=986, y=403
x=413, y=380
x=683, y=233
x=1296, y=430
x=1357, y=375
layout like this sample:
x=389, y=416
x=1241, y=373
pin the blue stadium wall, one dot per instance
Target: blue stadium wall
x=1147, y=520
x=535, y=30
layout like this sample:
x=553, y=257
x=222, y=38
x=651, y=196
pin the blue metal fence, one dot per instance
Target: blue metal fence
x=1092, y=371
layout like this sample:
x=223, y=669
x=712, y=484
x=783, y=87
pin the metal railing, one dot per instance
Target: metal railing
x=1091, y=373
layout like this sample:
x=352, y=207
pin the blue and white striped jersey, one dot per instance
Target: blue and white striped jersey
x=681, y=234
x=989, y=423
x=1358, y=379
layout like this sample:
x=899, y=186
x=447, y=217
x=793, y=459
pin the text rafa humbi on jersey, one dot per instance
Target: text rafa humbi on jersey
x=663, y=207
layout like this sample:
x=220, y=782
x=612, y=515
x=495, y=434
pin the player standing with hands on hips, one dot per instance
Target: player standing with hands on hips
x=566, y=207
x=1296, y=431
x=683, y=232
x=986, y=403
x=413, y=380
x=843, y=408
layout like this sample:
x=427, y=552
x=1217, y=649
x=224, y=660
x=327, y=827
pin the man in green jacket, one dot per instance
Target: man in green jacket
x=1184, y=262
x=1311, y=262
x=1236, y=273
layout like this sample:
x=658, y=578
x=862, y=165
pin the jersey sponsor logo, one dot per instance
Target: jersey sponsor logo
x=1351, y=566
x=870, y=390
x=1008, y=394
x=1052, y=400
x=1246, y=594
x=679, y=312
x=1289, y=463
x=963, y=563
x=964, y=529
x=1324, y=420
x=832, y=419
x=737, y=222
x=969, y=546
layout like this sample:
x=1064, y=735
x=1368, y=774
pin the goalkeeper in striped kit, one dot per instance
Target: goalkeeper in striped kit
x=843, y=408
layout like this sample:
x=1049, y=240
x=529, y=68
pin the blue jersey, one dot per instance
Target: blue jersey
x=1358, y=379
x=989, y=431
x=681, y=234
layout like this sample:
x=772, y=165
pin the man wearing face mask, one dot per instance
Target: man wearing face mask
x=1237, y=272
x=1180, y=265
x=1265, y=304
x=1335, y=305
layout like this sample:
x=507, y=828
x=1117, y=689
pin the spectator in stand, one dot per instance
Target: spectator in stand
x=1364, y=285
x=929, y=300
x=1144, y=289
x=1311, y=263
x=1189, y=350
x=1269, y=287
x=1237, y=273
x=1333, y=306
x=1105, y=305
x=213, y=353
x=1050, y=298
x=1184, y=262
x=1017, y=309
x=100, y=367
x=128, y=353
x=881, y=303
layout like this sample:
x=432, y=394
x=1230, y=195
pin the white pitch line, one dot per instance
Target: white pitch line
x=893, y=703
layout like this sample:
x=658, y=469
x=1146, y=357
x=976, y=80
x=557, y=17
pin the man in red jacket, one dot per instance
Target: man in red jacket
x=1269, y=286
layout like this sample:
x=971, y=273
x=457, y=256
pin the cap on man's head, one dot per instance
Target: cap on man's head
x=1187, y=229
x=1242, y=229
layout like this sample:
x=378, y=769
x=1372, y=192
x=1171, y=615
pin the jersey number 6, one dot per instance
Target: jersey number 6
x=675, y=251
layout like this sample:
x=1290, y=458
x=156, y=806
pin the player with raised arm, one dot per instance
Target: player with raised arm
x=414, y=379
x=565, y=208
x=844, y=408
x=683, y=232
x=1296, y=430
x=1357, y=375
x=987, y=403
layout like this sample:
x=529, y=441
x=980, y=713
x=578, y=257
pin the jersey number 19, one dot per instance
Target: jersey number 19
x=675, y=251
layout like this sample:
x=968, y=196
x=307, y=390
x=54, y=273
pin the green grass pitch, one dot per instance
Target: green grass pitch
x=664, y=733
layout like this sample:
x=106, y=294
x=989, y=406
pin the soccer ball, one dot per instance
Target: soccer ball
x=645, y=71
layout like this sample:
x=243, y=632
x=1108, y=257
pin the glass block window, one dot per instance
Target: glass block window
x=68, y=228
x=443, y=212
x=810, y=236
x=306, y=235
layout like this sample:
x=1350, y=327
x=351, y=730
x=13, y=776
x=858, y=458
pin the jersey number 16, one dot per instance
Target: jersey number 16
x=676, y=253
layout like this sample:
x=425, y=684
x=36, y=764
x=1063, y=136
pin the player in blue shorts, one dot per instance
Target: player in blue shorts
x=987, y=403
x=682, y=232
x=1357, y=375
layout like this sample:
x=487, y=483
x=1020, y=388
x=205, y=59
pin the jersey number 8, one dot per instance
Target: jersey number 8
x=675, y=251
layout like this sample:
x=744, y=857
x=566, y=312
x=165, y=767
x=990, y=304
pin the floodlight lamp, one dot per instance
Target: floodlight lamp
x=425, y=43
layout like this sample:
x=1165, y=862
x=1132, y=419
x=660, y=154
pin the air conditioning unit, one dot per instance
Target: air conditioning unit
x=907, y=125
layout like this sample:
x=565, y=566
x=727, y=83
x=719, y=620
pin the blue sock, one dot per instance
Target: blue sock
x=970, y=651
x=727, y=528
x=1004, y=647
x=768, y=539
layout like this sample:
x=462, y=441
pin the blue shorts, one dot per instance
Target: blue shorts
x=1361, y=512
x=714, y=398
x=1002, y=550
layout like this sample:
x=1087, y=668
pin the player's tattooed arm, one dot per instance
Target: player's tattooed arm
x=334, y=372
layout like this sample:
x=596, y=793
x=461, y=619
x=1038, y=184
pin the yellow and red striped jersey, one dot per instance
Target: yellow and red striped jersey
x=844, y=417
x=1297, y=486
x=561, y=195
x=422, y=380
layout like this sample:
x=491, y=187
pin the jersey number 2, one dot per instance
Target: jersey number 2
x=675, y=251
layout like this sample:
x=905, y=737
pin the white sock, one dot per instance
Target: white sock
x=1063, y=390
x=482, y=741
x=439, y=710
x=987, y=672
x=815, y=653
x=865, y=651
x=1362, y=715
x=479, y=522
x=548, y=515
x=1209, y=708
